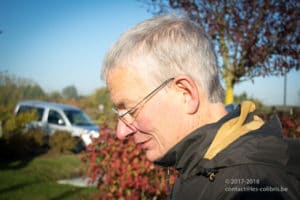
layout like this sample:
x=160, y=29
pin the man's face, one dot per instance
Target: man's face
x=155, y=123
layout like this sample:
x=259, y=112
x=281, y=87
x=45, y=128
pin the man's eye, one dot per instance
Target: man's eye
x=133, y=112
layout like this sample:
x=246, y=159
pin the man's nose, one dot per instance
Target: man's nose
x=124, y=130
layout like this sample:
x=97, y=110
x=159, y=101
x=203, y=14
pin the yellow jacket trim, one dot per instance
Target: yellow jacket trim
x=233, y=129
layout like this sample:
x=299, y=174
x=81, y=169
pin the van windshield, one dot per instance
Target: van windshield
x=78, y=118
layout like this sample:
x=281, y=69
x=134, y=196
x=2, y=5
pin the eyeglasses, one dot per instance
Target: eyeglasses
x=128, y=117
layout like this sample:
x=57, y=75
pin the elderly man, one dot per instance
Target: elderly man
x=164, y=82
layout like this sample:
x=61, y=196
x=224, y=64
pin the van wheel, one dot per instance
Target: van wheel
x=79, y=145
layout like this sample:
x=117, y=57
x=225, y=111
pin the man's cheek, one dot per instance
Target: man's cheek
x=145, y=123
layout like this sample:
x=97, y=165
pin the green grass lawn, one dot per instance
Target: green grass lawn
x=35, y=179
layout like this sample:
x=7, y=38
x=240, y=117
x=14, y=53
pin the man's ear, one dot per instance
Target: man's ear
x=188, y=90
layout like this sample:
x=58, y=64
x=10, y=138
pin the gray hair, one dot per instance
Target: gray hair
x=164, y=47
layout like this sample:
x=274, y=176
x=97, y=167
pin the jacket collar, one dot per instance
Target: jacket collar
x=190, y=151
x=188, y=156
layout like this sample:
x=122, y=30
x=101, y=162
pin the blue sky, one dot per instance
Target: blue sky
x=58, y=43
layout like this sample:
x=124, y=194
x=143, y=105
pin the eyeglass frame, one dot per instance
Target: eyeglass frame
x=121, y=116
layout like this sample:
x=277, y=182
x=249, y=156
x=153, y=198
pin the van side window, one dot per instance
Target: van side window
x=39, y=111
x=55, y=118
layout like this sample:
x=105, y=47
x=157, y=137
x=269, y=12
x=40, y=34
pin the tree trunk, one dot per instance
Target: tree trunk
x=229, y=89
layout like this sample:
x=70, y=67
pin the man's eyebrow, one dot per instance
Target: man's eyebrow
x=119, y=105
x=124, y=103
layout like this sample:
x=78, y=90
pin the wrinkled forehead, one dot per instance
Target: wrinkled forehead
x=125, y=85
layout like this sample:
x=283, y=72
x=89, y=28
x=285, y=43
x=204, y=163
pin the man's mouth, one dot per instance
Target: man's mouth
x=144, y=144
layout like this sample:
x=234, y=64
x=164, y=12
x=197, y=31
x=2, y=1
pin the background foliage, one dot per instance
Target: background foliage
x=61, y=142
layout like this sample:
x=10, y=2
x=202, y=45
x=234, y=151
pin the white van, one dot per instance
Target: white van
x=57, y=116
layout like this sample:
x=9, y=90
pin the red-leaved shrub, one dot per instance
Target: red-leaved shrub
x=290, y=126
x=122, y=170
